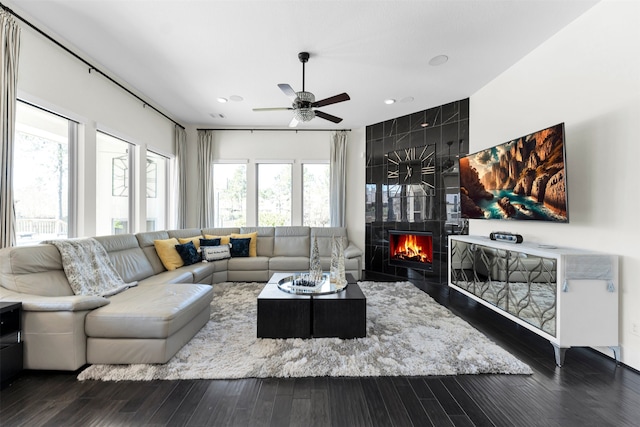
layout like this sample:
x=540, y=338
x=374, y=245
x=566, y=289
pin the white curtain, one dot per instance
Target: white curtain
x=205, y=179
x=180, y=177
x=338, y=179
x=9, y=50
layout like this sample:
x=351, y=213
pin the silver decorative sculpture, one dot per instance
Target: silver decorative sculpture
x=315, y=269
x=337, y=272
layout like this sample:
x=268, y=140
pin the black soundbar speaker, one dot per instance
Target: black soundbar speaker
x=504, y=236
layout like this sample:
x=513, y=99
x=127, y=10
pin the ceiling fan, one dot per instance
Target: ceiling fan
x=305, y=102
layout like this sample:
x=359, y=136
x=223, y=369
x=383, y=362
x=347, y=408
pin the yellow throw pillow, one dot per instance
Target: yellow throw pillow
x=168, y=253
x=253, y=245
x=224, y=240
x=194, y=239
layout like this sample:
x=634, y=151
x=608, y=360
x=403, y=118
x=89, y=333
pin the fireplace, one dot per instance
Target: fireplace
x=411, y=249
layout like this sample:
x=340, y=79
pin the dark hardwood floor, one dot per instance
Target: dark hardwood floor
x=589, y=390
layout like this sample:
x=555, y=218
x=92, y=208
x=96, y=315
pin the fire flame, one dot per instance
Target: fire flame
x=408, y=247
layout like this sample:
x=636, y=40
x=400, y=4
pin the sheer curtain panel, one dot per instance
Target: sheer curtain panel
x=338, y=179
x=180, y=177
x=205, y=179
x=9, y=50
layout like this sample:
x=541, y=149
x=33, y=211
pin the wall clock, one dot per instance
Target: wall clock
x=415, y=166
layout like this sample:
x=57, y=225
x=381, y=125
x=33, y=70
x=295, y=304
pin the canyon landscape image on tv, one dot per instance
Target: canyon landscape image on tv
x=523, y=179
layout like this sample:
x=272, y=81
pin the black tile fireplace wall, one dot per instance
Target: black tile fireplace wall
x=447, y=127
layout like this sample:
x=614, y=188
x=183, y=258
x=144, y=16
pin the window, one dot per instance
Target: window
x=43, y=143
x=114, y=178
x=315, y=196
x=274, y=194
x=230, y=194
x=156, y=189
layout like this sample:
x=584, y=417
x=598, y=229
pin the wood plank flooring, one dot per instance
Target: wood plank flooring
x=589, y=390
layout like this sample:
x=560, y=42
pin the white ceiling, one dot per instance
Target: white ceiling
x=181, y=55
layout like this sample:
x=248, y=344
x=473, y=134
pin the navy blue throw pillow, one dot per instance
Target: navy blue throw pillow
x=210, y=242
x=188, y=253
x=240, y=247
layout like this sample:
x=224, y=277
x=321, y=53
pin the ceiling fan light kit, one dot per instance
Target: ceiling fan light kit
x=304, y=102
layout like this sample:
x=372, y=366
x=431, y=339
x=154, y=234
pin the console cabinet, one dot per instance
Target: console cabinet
x=568, y=296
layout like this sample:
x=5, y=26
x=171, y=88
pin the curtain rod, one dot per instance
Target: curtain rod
x=282, y=130
x=87, y=63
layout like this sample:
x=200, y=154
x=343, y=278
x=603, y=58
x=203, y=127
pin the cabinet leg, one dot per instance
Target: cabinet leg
x=616, y=353
x=559, y=352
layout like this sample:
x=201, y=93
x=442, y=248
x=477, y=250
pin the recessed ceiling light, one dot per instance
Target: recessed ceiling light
x=389, y=101
x=424, y=125
x=222, y=100
x=236, y=98
x=407, y=99
x=438, y=60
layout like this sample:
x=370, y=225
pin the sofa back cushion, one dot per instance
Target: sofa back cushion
x=35, y=270
x=324, y=236
x=127, y=257
x=291, y=241
x=186, y=233
x=145, y=240
x=265, y=239
x=220, y=231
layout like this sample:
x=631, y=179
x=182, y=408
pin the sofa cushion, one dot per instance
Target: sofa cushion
x=264, y=241
x=127, y=256
x=181, y=275
x=289, y=263
x=224, y=240
x=35, y=270
x=145, y=240
x=292, y=241
x=324, y=236
x=240, y=247
x=186, y=233
x=148, y=311
x=168, y=253
x=222, y=232
x=253, y=241
x=215, y=253
x=201, y=271
x=257, y=263
x=211, y=242
x=193, y=239
x=188, y=253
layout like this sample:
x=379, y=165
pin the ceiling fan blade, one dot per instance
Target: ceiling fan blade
x=273, y=109
x=293, y=123
x=288, y=90
x=332, y=100
x=329, y=117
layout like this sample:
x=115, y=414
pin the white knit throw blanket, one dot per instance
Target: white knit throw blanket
x=88, y=267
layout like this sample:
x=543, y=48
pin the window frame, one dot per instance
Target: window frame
x=72, y=164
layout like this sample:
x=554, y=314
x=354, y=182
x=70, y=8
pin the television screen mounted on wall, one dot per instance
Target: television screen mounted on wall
x=523, y=179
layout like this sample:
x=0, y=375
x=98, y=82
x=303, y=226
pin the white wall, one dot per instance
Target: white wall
x=587, y=76
x=248, y=146
x=53, y=79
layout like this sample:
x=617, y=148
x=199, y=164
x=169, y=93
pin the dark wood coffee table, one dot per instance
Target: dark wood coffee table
x=286, y=315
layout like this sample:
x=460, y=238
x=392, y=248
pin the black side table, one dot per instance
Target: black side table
x=10, y=341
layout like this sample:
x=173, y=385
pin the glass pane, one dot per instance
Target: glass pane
x=274, y=194
x=113, y=178
x=41, y=175
x=230, y=195
x=315, y=197
x=157, y=167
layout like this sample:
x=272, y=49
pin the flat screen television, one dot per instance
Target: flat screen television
x=523, y=179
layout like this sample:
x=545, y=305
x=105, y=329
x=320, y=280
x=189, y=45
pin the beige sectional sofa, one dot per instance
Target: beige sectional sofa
x=150, y=322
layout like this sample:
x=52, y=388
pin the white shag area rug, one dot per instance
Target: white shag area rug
x=408, y=333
